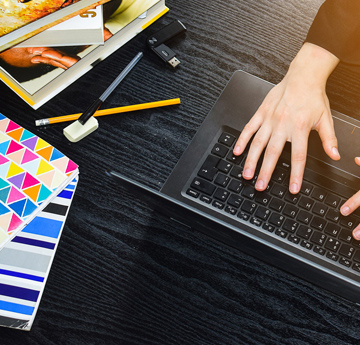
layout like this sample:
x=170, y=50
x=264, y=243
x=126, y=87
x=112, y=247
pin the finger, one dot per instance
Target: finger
x=249, y=130
x=59, y=57
x=356, y=233
x=298, y=160
x=257, y=146
x=328, y=138
x=47, y=61
x=271, y=157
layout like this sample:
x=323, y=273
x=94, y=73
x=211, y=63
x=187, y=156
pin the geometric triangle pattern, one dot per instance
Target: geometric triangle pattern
x=31, y=171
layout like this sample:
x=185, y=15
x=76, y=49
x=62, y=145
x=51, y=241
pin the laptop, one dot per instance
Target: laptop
x=303, y=234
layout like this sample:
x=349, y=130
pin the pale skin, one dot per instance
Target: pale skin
x=294, y=107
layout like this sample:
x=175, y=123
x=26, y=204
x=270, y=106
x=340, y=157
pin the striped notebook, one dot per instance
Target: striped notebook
x=25, y=262
x=32, y=173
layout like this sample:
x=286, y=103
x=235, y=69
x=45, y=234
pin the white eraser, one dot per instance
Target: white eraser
x=76, y=131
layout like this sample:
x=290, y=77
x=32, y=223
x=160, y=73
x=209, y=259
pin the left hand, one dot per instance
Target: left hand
x=351, y=205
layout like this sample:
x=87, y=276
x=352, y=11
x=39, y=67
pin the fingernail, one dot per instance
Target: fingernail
x=259, y=184
x=356, y=234
x=237, y=150
x=247, y=173
x=335, y=151
x=294, y=188
x=345, y=210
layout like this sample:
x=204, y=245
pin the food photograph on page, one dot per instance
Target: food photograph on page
x=35, y=67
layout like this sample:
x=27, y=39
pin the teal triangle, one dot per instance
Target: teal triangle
x=26, y=135
x=3, y=209
x=3, y=147
x=18, y=206
x=4, y=193
x=3, y=183
x=56, y=154
x=44, y=193
x=4, y=168
x=30, y=207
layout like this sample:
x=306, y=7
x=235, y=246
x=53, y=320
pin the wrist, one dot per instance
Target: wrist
x=313, y=64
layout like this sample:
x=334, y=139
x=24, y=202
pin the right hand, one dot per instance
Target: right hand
x=289, y=112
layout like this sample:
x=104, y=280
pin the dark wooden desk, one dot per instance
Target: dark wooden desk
x=126, y=275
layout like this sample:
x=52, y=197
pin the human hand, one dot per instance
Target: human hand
x=30, y=57
x=294, y=107
x=351, y=205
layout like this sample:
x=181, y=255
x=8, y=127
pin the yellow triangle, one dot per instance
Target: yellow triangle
x=44, y=167
x=14, y=170
x=41, y=144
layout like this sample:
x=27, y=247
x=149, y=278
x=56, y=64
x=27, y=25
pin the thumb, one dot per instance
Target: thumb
x=328, y=138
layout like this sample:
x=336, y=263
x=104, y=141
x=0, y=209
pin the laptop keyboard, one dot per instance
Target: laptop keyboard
x=310, y=220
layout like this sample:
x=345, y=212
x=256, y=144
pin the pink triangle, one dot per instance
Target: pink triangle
x=29, y=181
x=3, y=160
x=13, y=147
x=14, y=223
x=71, y=167
x=12, y=125
x=14, y=195
x=28, y=157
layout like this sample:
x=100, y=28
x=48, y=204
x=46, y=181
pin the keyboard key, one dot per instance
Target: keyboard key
x=281, y=233
x=304, y=217
x=332, y=256
x=294, y=239
x=332, y=200
x=356, y=267
x=278, y=190
x=319, y=250
x=304, y=232
x=320, y=209
x=248, y=206
x=276, y=204
x=306, y=244
x=208, y=170
x=349, y=222
x=236, y=172
x=290, y=210
x=306, y=188
x=262, y=213
x=222, y=180
x=203, y=186
x=192, y=193
x=306, y=203
x=346, y=250
x=345, y=262
x=219, y=150
x=333, y=215
x=234, y=159
x=293, y=198
x=332, y=244
x=284, y=164
x=218, y=204
x=221, y=194
x=235, y=186
x=332, y=229
x=244, y=216
x=276, y=219
x=262, y=198
x=231, y=210
x=318, y=238
x=268, y=227
x=226, y=139
x=318, y=223
x=224, y=166
x=345, y=235
x=235, y=200
x=290, y=225
x=255, y=221
x=357, y=256
x=248, y=191
x=279, y=175
x=319, y=194
x=206, y=199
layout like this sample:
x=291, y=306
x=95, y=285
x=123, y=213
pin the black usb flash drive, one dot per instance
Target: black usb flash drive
x=156, y=41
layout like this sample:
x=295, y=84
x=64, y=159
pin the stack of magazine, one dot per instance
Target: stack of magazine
x=59, y=42
x=47, y=62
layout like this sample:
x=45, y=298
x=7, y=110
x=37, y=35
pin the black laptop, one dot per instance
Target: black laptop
x=304, y=234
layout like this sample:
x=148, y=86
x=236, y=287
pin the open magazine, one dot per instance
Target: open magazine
x=38, y=82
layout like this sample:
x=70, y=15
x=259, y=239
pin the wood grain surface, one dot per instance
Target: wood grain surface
x=126, y=275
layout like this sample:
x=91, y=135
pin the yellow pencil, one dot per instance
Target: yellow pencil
x=103, y=112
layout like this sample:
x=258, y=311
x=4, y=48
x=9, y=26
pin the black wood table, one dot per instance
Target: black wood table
x=123, y=274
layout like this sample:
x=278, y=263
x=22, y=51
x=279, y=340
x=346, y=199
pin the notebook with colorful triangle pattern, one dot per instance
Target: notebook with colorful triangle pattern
x=32, y=173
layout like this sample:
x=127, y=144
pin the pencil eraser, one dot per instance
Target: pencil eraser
x=76, y=131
